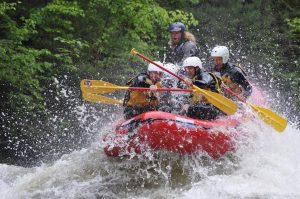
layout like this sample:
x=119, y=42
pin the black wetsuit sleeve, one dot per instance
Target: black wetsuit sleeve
x=240, y=79
x=203, y=81
x=140, y=81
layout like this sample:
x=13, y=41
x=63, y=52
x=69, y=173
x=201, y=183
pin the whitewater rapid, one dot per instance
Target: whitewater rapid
x=266, y=166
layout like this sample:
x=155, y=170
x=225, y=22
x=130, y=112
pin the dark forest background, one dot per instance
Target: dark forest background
x=47, y=47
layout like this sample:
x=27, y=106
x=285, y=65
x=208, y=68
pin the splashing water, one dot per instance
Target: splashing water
x=266, y=166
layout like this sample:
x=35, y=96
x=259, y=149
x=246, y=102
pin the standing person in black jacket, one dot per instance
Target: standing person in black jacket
x=182, y=44
x=233, y=76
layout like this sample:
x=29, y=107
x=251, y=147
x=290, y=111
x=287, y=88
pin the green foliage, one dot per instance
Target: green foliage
x=35, y=49
x=294, y=25
x=19, y=71
x=186, y=18
x=19, y=66
x=179, y=4
x=56, y=32
x=4, y=6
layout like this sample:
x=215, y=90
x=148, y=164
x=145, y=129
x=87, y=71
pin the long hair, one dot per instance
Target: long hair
x=187, y=36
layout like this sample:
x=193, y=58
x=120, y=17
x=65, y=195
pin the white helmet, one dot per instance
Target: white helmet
x=171, y=67
x=221, y=51
x=192, y=61
x=152, y=67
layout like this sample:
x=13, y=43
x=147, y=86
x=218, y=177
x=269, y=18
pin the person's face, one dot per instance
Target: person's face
x=218, y=61
x=155, y=76
x=176, y=37
x=190, y=71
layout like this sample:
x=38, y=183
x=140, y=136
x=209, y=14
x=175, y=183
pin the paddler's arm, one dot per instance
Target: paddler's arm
x=140, y=81
x=203, y=83
x=240, y=79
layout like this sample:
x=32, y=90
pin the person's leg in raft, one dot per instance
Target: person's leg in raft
x=203, y=111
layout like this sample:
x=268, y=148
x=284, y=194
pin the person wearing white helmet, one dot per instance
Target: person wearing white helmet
x=233, y=76
x=182, y=44
x=200, y=108
x=154, y=72
x=168, y=80
x=197, y=76
x=137, y=102
x=169, y=100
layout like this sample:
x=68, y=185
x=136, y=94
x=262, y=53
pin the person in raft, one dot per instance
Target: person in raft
x=137, y=102
x=233, y=76
x=182, y=44
x=170, y=101
x=199, y=108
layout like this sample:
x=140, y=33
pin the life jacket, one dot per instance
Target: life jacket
x=231, y=83
x=198, y=97
x=141, y=98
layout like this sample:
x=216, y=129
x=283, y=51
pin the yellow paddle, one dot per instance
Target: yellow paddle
x=90, y=97
x=97, y=86
x=268, y=116
x=102, y=87
x=91, y=90
x=224, y=104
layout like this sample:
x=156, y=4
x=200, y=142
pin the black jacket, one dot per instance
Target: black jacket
x=139, y=81
x=207, y=80
x=182, y=51
x=237, y=75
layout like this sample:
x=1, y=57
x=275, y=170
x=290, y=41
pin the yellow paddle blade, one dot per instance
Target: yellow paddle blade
x=103, y=89
x=97, y=82
x=224, y=104
x=97, y=86
x=270, y=117
x=100, y=99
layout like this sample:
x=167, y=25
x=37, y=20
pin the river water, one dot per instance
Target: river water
x=265, y=165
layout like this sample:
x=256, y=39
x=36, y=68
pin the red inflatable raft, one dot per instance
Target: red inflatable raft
x=169, y=132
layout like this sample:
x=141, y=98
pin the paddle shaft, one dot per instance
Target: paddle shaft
x=234, y=94
x=162, y=89
x=143, y=89
x=170, y=72
x=152, y=62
